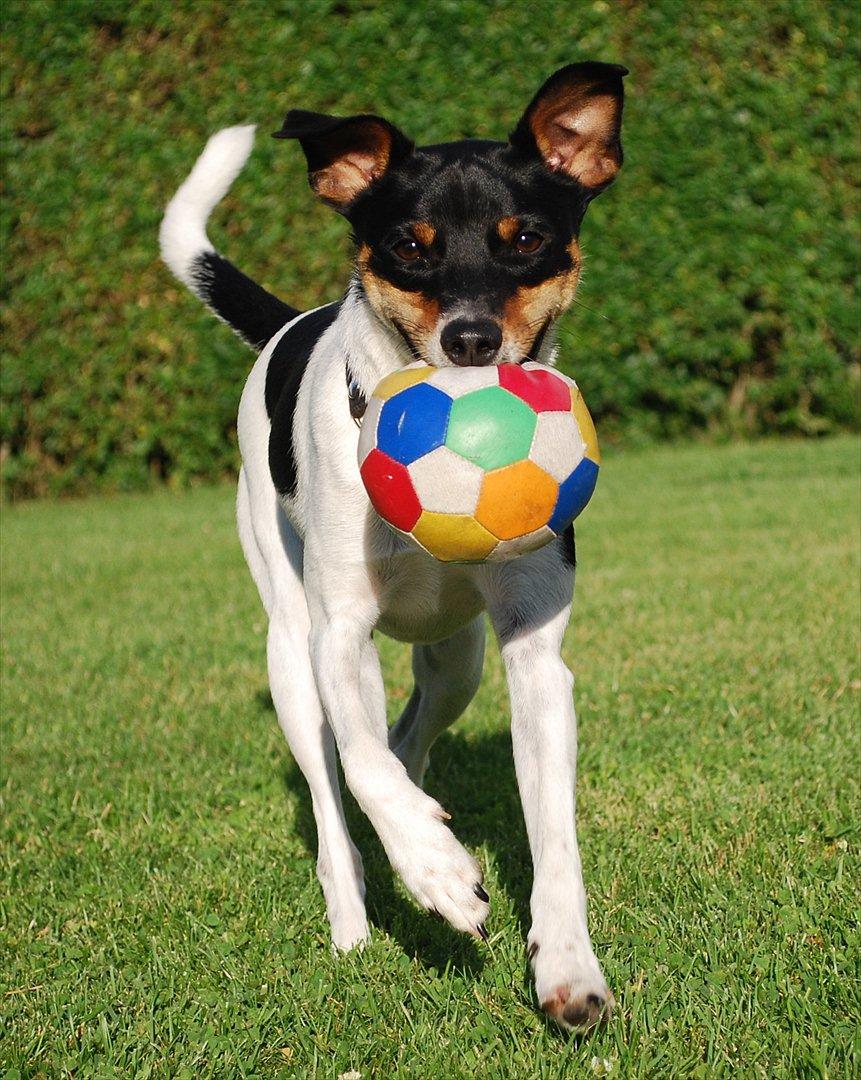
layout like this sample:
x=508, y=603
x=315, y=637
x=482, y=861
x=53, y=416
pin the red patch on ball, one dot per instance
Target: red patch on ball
x=542, y=390
x=390, y=489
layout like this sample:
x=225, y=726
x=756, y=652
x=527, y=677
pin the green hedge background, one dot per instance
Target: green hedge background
x=720, y=294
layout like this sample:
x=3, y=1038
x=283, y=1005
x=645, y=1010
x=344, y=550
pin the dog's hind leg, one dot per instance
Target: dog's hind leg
x=250, y=547
x=447, y=675
x=274, y=555
x=294, y=692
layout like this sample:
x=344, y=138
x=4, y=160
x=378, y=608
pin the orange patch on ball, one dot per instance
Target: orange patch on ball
x=516, y=500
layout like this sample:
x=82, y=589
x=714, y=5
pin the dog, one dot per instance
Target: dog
x=466, y=255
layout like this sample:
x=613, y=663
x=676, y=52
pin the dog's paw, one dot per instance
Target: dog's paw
x=442, y=876
x=569, y=985
x=579, y=1006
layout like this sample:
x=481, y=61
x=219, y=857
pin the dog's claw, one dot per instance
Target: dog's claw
x=480, y=892
x=482, y=932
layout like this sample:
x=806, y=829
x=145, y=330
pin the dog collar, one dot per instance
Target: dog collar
x=358, y=404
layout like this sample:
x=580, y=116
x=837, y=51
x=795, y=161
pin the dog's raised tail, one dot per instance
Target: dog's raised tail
x=249, y=309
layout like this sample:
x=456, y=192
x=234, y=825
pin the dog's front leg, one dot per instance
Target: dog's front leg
x=530, y=614
x=441, y=875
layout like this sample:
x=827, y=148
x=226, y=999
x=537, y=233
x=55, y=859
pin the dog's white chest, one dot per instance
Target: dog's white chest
x=422, y=600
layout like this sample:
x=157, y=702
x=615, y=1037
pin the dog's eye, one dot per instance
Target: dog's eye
x=407, y=249
x=527, y=243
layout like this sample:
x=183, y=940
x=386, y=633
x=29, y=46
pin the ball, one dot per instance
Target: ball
x=478, y=463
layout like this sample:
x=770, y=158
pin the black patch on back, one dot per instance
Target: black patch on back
x=245, y=306
x=569, y=551
x=283, y=378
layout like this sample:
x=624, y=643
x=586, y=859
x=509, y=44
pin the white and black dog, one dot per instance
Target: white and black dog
x=466, y=254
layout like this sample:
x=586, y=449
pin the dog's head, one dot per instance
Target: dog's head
x=469, y=249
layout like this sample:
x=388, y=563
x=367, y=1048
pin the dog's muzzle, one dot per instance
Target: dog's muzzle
x=471, y=342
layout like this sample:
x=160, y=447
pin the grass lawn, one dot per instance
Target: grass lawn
x=161, y=915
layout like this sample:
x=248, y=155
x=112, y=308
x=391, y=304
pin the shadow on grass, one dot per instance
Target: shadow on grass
x=474, y=780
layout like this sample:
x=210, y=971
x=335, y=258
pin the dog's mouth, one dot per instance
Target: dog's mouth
x=463, y=334
x=464, y=341
x=417, y=353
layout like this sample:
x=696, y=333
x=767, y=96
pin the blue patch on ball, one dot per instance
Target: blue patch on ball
x=574, y=493
x=413, y=422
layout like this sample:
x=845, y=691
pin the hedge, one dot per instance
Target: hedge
x=720, y=294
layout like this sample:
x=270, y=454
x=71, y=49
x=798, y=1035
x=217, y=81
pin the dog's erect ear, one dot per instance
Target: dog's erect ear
x=345, y=154
x=574, y=123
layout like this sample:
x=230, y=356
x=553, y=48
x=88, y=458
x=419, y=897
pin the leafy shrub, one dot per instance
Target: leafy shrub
x=720, y=290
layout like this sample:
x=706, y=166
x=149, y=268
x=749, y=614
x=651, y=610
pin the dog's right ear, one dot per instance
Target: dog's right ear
x=345, y=154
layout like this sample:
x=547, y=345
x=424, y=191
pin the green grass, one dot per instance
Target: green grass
x=161, y=915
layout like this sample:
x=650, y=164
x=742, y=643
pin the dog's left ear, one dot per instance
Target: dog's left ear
x=345, y=154
x=574, y=124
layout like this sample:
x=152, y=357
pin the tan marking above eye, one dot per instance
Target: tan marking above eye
x=424, y=232
x=508, y=228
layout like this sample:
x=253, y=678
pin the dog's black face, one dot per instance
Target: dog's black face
x=469, y=249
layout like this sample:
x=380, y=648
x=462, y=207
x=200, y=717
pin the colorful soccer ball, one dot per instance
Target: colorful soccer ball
x=481, y=462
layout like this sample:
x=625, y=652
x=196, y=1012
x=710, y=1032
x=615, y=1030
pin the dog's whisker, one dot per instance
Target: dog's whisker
x=594, y=311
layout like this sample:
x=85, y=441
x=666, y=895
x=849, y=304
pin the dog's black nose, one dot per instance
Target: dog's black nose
x=471, y=342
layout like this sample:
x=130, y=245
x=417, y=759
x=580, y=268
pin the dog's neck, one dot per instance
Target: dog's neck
x=374, y=348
